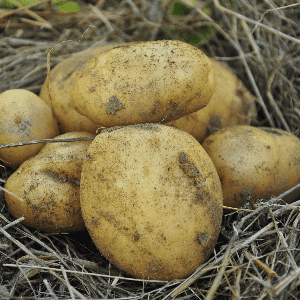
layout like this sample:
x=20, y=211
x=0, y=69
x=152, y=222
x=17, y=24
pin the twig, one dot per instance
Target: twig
x=283, y=242
x=201, y=271
x=234, y=208
x=242, y=55
x=11, y=193
x=99, y=14
x=86, y=273
x=13, y=223
x=253, y=83
x=261, y=264
x=50, y=289
x=67, y=282
x=270, y=29
x=284, y=283
x=274, y=9
x=88, y=138
x=217, y=280
x=236, y=289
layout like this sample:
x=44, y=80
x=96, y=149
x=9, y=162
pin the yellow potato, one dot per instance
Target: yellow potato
x=259, y=162
x=23, y=117
x=144, y=82
x=151, y=200
x=62, y=77
x=231, y=104
x=49, y=186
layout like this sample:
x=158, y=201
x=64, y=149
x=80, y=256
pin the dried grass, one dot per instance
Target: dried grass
x=257, y=254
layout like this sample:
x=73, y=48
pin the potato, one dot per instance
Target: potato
x=62, y=77
x=151, y=200
x=257, y=162
x=231, y=104
x=49, y=186
x=144, y=82
x=23, y=117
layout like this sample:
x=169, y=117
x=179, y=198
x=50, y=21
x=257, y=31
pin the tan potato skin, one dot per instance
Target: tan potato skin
x=62, y=77
x=231, y=104
x=49, y=185
x=144, y=82
x=251, y=161
x=151, y=200
x=23, y=117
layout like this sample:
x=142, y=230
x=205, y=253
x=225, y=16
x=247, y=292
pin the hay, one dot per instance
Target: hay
x=257, y=254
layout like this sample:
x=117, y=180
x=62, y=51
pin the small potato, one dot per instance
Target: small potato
x=62, y=77
x=151, y=200
x=23, y=117
x=144, y=82
x=252, y=161
x=49, y=186
x=231, y=104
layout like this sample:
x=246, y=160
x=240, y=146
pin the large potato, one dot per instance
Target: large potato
x=257, y=162
x=151, y=200
x=49, y=186
x=144, y=82
x=62, y=77
x=23, y=117
x=231, y=104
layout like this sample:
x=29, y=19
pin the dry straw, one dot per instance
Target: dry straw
x=257, y=255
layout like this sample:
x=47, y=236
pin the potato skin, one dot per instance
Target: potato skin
x=251, y=161
x=144, y=82
x=23, y=117
x=231, y=104
x=151, y=200
x=49, y=185
x=62, y=77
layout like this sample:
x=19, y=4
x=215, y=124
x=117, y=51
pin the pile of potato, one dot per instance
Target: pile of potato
x=149, y=194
